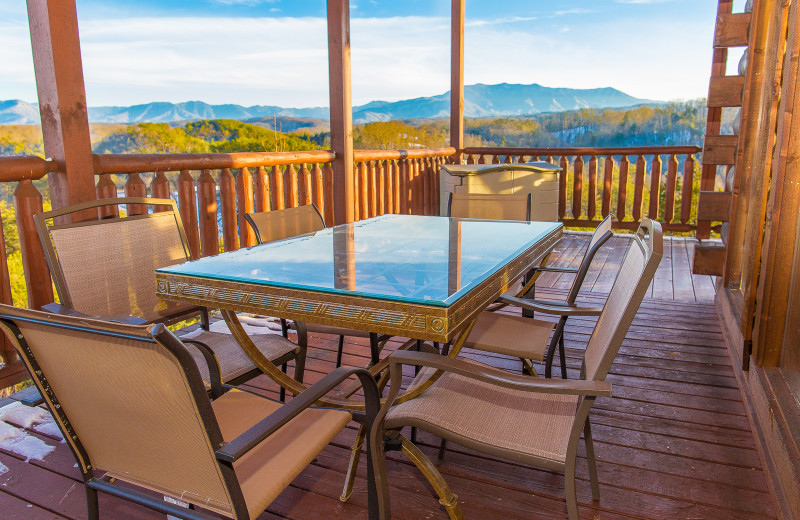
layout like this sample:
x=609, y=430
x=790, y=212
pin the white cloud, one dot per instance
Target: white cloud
x=283, y=61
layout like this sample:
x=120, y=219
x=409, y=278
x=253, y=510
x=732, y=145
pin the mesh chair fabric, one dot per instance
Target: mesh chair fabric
x=100, y=258
x=285, y=223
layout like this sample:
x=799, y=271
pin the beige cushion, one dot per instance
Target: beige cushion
x=272, y=465
x=524, y=422
x=511, y=335
x=233, y=361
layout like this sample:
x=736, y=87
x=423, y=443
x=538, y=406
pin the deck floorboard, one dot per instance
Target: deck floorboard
x=673, y=443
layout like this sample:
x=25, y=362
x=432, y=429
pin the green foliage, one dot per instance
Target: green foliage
x=21, y=140
x=398, y=135
x=151, y=138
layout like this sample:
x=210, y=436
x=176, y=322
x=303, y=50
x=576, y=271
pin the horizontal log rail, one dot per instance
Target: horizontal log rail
x=214, y=191
x=632, y=182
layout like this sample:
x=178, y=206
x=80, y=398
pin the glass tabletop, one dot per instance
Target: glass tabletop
x=408, y=258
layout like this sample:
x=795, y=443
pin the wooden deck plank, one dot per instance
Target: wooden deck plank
x=662, y=281
x=682, y=271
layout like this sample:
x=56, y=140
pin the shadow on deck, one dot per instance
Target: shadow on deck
x=673, y=443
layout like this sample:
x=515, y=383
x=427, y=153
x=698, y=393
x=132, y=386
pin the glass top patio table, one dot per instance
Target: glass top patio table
x=395, y=274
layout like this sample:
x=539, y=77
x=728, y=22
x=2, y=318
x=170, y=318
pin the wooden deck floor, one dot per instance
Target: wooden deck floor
x=673, y=442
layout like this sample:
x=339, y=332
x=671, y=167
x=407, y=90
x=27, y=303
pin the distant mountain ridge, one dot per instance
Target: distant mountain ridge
x=479, y=101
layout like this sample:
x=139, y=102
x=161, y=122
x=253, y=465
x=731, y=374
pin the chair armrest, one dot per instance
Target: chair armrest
x=214, y=370
x=556, y=308
x=57, y=308
x=501, y=377
x=239, y=446
x=557, y=269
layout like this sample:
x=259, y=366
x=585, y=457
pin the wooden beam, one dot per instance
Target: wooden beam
x=457, y=79
x=725, y=91
x=718, y=149
x=732, y=30
x=708, y=258
x=714, y=206
x=341, y=110
x=62, y=100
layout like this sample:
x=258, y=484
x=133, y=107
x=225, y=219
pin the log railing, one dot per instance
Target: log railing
x=630, y=182
x=214, y=191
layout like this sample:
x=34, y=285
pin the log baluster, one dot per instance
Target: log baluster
x=470, y=159
x=390, y=186
x=380, y=173
x=404, y=186
x=672, y=180
x=436, y=172
x=7, y=353
x=277, y=191
x=622, y=189
x=655, y=187
x=207, y=209
x=418, y=190
x=27, y=203
x=262, y=195
x=577, y=187
x=521, y=159
x=290, y=186
x=187, y=205
x=317, y=189
x=424, y=177
x=227, y=197
x=496, y=159
x=304, y=190
x=608, y=177
x=363, y=191
x=135, y=187
x=687, y=189
x=372, y=189
x=396, y=186
x=508, y=160
x=327, y=182
x=562, y=187
x=159, y=189
x=106, y=189
x=591, y=208
x=638, y=189
x=481, y=159
x=245, y=203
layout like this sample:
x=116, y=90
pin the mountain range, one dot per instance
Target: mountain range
x=479, y=101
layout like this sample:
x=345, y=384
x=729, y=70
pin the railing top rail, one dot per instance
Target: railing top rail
x=632, y=150
x=379, y=155
x=21, y=167
x=127, y=163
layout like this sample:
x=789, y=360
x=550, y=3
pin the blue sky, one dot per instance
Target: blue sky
x=274, y=52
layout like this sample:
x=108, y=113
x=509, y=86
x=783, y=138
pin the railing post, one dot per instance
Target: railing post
x=245, y=204
x=187, y=205
x=207, y=201
x=7, y=352
x=457, y=78
x=106, y=189
x=135, y=187
x=227, y=197
x=27, y=203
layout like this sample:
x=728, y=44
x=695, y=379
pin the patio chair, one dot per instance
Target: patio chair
x=270, y=226
x=529, y=420
x=132, y=406
x=525, y=337
x=489, y=206
x=107, y=268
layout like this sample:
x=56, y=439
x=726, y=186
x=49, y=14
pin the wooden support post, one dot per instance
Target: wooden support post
x=457, y=79
x=62, y=101
x=341, y=110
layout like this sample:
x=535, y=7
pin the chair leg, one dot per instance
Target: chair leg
x=562, y=355
x=339, y=352
x=92, y=504
x=446, y=497
x=283, y=390
x=569, y=485
x=355, y=454
x=374, y=349
x=551, y=348
x=528, y=368
x=587, y=436
x=442, y=449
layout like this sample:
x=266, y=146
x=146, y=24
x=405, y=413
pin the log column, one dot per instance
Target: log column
x=457, y=79
x=341, y=110
x=62, y=100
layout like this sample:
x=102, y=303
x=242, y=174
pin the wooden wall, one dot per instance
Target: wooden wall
x=759, y=295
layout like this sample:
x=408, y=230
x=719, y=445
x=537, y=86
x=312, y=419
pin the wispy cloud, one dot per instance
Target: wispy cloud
x=574, y=11
x=500, y=21
x=642, y=1
x=246, y=3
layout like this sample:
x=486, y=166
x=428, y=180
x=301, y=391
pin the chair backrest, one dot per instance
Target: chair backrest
x=107, y=267
x=600, y=236
x=284, y=223
x=491, y=207
x=130, y=401
x=627, y=293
